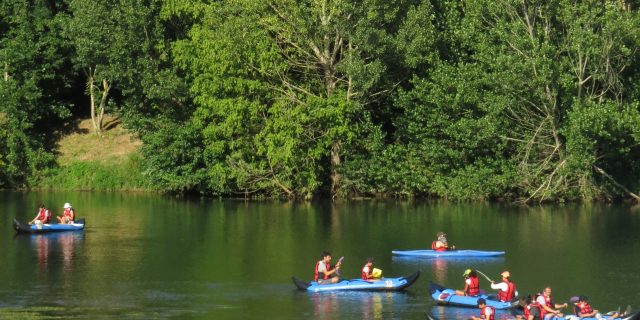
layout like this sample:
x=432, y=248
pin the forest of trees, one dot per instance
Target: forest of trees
x=523, y=100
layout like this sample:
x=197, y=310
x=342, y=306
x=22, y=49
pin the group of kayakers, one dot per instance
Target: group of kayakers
x=44, y=215
x=325, y=273
x=539, y=307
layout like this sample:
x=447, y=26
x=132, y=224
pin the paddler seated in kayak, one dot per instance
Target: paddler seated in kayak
x=43, y=216
x=441, y=244
x=531, y=308
x=549, y=308
x=506, y=288
x=486, y=312
x=471, y=284
x=68, y=215
x=324, y=272
x=584, y=310
x=369, y=272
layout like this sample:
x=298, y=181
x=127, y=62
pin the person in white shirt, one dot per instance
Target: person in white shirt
x=506, y=288
x=471, y=284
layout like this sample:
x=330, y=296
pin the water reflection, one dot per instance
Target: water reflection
x=449, y=312
x=325, y=305
x=363, y=305
x=372, y=307
x=441, y=267
x=52, y=248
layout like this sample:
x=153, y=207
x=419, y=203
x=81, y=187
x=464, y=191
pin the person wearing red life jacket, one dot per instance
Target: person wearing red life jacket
x=584, y=310
x=441, y=244
x=486, y=312
x=506, y=288
x=471, y=284
x=548, y=307
x=68, y=216
x=43, y=216
x=531, y=310
x=324, y=271
x=369, y=272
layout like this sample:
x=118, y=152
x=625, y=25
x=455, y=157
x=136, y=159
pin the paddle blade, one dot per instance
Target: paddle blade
x=339, y=263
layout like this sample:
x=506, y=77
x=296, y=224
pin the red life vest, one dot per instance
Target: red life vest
x=433, y=247
x=44, y=215
x=69, y=213
x=317, y=275
x=548, y=301
x=508, y=295
x=527, y=309
x=474, y=286
x=483, y=315
x=366, y=275
x=585, y=308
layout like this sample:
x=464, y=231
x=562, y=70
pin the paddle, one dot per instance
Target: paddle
x=484, y=275
x=338, y=264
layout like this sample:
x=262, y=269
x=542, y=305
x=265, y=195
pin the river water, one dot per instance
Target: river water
x=153, y=257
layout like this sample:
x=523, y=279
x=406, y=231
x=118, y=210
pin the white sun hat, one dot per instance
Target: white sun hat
x=67, y=205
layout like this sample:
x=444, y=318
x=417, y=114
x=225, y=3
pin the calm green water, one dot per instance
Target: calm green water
x=153, y=257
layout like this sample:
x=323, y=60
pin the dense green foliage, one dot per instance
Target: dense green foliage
x=488, y=99
x=94, y=175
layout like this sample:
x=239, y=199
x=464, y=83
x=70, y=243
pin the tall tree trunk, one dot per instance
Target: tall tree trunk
x=97, y=116
x=103, y=102
x=92, y=102
x=6, y=72
x=336, y=178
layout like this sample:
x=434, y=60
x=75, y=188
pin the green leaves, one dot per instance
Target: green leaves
x=534, y=101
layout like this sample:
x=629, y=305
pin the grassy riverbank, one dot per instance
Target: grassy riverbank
x=87, y=161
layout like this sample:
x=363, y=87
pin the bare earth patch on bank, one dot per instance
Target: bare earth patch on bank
x=114, y=146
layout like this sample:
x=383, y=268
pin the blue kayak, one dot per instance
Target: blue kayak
x=46, y=228
x=384, y=284
x=448, y=254
x=633, y=316
x=442, y=295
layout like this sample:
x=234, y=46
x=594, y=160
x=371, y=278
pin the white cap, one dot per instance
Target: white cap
x=67, y=205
